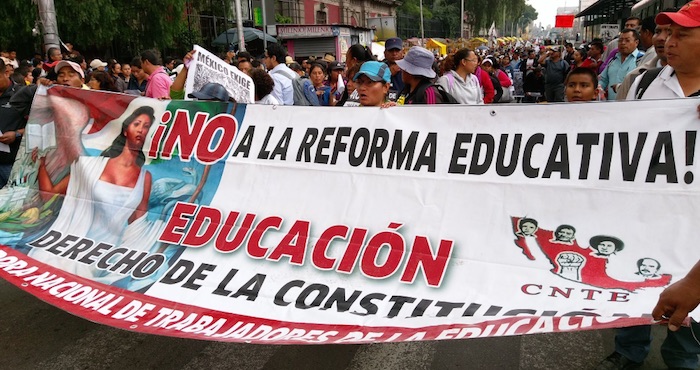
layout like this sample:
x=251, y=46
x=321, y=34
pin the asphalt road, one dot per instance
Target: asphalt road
x=36, y=335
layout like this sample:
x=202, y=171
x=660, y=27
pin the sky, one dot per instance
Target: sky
x=547, y=9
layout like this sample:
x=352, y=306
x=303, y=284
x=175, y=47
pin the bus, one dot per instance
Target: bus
x=649, y=8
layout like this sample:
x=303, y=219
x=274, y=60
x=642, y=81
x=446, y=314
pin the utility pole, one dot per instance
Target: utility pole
x=239, y=24
x=47, y=15
x=264, y=19
x=461, y=20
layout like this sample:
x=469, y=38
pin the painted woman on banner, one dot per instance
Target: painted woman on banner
x=106, y=197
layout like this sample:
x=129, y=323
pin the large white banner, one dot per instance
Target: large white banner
x=374, y=225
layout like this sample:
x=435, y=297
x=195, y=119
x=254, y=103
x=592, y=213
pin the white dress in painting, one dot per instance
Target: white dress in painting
x=99, y=211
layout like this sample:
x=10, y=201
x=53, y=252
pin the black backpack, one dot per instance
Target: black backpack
x=447, y=98
x=497, y=87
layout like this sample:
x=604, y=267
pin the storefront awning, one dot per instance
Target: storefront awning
x=606, y=7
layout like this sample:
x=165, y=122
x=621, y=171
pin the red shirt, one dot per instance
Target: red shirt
x=588, y=63
x=486, y=85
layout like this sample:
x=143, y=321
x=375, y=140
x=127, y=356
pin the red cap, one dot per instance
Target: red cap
x=688, y=16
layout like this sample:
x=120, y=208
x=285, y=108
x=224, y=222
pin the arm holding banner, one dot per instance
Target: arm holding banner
x=48, y=188
x=679, y=299
x=178, y=86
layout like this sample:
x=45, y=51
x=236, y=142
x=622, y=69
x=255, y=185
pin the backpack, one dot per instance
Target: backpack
x=447, y=98
x=646, y=80
x=419, y=94
x=304, y=93
x=497, y=87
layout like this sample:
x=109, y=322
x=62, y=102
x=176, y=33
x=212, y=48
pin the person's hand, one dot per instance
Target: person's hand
x=35, y=154
x=188, y=58
x=676, y=301
x=8, y=137
x=45, y=81
x=388, y=104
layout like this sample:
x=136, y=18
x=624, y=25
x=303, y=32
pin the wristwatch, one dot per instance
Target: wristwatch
x=18, y=135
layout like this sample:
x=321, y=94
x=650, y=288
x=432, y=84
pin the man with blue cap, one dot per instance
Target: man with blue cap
x=393, y=51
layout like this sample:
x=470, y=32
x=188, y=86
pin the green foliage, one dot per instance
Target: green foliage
x=18, y=19
x=143, y=23
x=529, y=14
x=448, y=12
x=412, y=7
x=281, y=19
x=481, y=13
x=97, y=24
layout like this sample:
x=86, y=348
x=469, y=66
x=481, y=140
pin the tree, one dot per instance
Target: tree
x=412, y=7
x=481, y=12
x=97, y=24
x=529, y=15
x=18, y=19
x=448, y=12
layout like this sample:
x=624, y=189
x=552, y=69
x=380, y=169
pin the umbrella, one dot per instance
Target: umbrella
x=249, y=34
x=482, y=47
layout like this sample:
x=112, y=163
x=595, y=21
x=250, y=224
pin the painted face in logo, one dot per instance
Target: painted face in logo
x=565, y=235
x=649, y=267
x=606, y=248
x=528, y=228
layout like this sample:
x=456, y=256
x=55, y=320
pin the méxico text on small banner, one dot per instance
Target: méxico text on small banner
x=269, y=224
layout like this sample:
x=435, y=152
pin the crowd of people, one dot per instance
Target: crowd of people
x=416, y=76
x=653, y=58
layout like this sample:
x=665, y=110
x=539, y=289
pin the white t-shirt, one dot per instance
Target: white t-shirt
x=268, y=100
x=664, y=86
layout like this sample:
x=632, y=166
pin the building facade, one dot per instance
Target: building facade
x=329, y=12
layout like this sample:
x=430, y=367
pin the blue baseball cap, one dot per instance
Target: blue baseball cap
x=393, y=43
x=375, y=71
